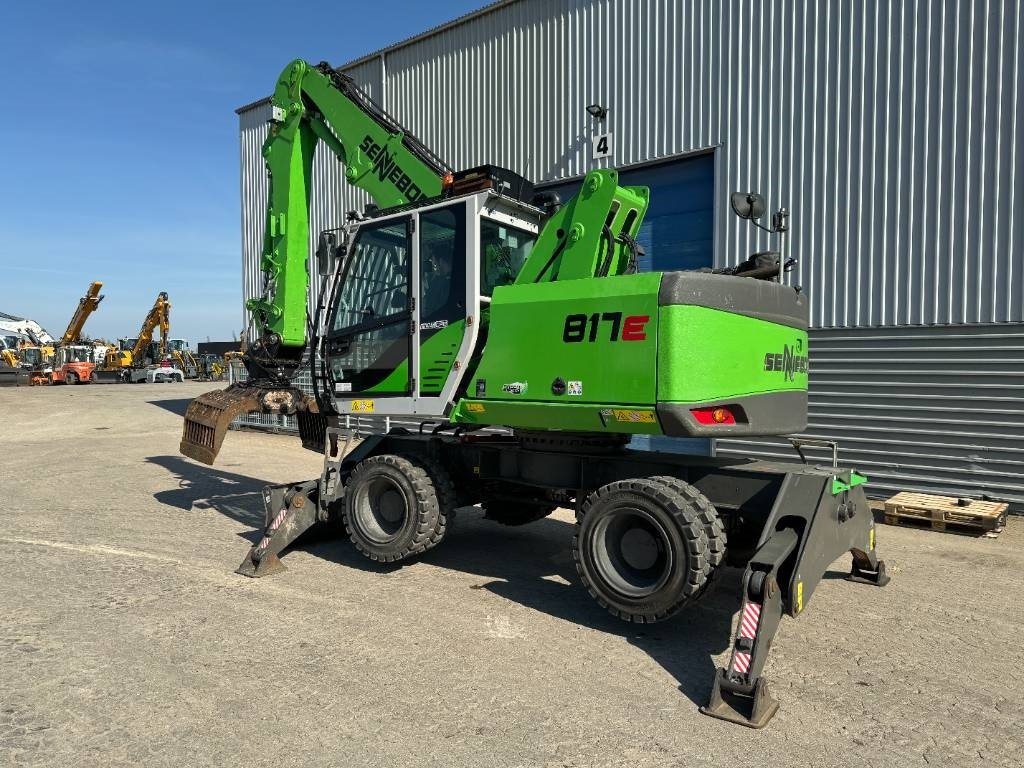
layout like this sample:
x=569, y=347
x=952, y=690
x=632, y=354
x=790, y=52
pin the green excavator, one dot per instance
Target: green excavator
x=468, y=301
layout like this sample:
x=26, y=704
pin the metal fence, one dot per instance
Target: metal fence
x=360, y=425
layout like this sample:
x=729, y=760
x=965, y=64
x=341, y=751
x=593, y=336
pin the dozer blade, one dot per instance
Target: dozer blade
x=209, y=416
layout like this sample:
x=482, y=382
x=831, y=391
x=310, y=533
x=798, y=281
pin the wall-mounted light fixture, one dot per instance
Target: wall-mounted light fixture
x=597, y=112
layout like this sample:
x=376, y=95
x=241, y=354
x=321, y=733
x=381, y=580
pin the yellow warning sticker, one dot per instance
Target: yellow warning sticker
x=362, y=406
x=475, y=407
x=799, y=596
x=871, y=538
x=634, y=417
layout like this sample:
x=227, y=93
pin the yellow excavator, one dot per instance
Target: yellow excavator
x=73, y=362
x=10, y=357
x=124, y=360
x=183, y=358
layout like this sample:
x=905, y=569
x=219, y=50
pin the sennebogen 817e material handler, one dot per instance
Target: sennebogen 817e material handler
x=466, y=300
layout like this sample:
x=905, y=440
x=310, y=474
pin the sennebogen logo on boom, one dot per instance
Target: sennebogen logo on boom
x=388, y=169
x=790, y=361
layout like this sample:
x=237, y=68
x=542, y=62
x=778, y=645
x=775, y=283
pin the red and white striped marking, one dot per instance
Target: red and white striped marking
x=748, y=631
x=265, y=541
x=749, y=619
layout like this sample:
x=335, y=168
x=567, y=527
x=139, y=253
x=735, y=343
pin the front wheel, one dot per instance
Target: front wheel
x=70, y=378
x=397, y=506
x=641, y=549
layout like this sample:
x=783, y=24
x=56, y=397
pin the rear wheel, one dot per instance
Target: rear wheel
x=641, y=549
x=70, y=378
x=714, y=528
x=94, y=377
x=397, y=506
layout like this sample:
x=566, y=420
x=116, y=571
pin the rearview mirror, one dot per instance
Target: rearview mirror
x=326, y=249
x=747, y=205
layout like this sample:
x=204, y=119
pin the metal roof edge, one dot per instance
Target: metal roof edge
x=456, y=22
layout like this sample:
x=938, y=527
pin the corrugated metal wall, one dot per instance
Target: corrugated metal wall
x=891, y=130
x=934, y=408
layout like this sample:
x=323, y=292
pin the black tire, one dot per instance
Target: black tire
x=94, y=377
x=396, y=507
x=505, y=512
x=179, y=379
x=640, y=549
x=713, y=525
x=70, y=378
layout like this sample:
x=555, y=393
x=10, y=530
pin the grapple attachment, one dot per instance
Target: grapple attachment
x=209, y=416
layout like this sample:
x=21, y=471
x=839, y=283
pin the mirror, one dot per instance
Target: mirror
x=747, y=205
x=326, y=248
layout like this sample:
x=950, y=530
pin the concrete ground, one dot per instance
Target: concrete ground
x=126, y=638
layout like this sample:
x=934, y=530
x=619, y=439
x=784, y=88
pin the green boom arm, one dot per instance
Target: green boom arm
x=311, y=105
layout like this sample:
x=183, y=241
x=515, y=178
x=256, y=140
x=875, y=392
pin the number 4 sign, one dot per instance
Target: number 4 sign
x=603, y=145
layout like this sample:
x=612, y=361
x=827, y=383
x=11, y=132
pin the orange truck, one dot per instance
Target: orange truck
x=73, y=363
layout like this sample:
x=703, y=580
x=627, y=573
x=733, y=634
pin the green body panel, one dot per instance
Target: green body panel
x=575, y=235
x=707, y=354
x=525, y=342
x=570, y=417
x=613, y=381
x=437, y=353
x=308, y=108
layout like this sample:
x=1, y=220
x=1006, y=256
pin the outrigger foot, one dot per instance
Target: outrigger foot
x=875, y=576
x=752, y=706
x=291, y=510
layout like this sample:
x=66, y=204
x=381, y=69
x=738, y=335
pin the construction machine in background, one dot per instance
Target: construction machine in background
x=73, y=360
x=12, y=372
x=140, y=359
x=9, y=351
x=467, y=301
x=183, y=358
x=22, y=326
x=35, y=346
x=133, y=352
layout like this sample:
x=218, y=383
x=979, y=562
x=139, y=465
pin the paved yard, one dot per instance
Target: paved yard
x=126, y=638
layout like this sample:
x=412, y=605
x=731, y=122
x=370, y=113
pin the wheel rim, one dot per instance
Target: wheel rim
x=381, y=510
x=632, y=552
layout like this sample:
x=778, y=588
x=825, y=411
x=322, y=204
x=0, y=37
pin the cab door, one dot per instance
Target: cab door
x=442, y=301
x=369, y=343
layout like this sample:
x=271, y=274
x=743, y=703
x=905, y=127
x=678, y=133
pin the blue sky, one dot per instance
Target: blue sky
x=119, y=145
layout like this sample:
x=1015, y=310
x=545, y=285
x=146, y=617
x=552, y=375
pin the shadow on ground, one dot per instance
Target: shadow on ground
x=236, y=496
x=529, y=565
x=176, y=406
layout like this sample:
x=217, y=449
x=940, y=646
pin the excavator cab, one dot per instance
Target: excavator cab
x=408, y=309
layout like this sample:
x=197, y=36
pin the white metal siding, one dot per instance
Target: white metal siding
x=936, y=408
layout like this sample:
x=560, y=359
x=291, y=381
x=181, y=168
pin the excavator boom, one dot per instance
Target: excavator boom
x=310, y=105
x=313, y=105
x=86, y=306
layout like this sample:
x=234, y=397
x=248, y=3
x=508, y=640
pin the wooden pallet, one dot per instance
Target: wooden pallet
x=944, y=513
